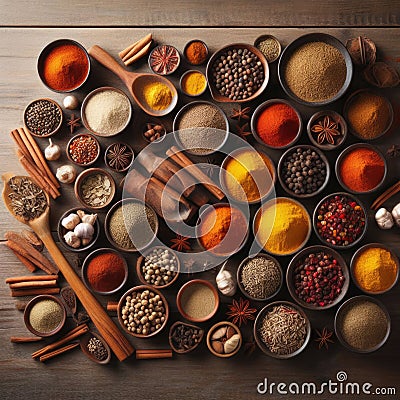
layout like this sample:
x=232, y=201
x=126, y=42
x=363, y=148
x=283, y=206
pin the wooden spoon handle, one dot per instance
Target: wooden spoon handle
x=111, y=334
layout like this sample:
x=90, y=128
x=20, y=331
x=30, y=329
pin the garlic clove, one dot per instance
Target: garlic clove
x=230, y=332
x=231, y=344
x=219, y=333
x=66, y=173
x=52, y=152
x=87, y=218
x=84, y=230
x=85, y=241
x=225, y=282
x=72, y=240
x=70, y=102
x=70, y=222
x=218, y=347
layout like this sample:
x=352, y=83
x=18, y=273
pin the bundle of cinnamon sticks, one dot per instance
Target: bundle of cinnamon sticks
x=136, y=50
x=33, y=161
x=33, y=285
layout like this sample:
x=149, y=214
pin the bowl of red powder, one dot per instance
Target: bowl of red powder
x=104, y=271
x=361, y=168
x=276, y=124
x=63, y=65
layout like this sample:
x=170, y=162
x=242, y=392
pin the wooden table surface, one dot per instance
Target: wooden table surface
x=26, y=27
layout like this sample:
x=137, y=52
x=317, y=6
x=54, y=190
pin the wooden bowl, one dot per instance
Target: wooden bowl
x=86, y=263
x=61, y=231
x=81, y=178
x=190, y=284
x=359, y=252
x=214, y=92
x=87, y=135
x=342, y=156
x=308, y=38
x=141, y=288
x=188, y=350
x=141, y=259
x=108, y=149
x=36, y=300
x=265, y=37
x=152, y=124
x=280, y=173
x=216, y=327
x=300, y=257
x=174, y=69
x=188, y=44
x=258, y=323
x=84, y=341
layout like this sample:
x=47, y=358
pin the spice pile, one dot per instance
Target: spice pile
x=185, y=338
x=157, y=95
x=96, y=190
x=45, y=316
x=159, y=267
x=198, y=301
x=96, y=348
x=194, y=83
x=84, y=149
x=196, y=52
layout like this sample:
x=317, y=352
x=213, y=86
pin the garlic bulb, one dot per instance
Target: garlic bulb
x=72, y=240
x=71, y=221
x=66, y=173
x=84, y=230
x=52, y=152
x=70, y=102
x=225, y=282
x=384, y=219
x=396, y=214
x=231, y=344
x=87, y=218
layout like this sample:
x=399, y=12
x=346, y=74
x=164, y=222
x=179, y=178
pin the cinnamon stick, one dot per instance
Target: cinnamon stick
x=138, y=55
x=33, y=292
x=33, y=284
x=28, y=264
x=22, y=339
x=153, y=354
x=71, y=335
x=59, y=351
x=30, y=278
x=112, y=306
x=135, y=47
x=386, y=195
x=21, y=145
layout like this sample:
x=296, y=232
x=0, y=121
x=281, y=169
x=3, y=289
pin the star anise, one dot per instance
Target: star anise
x=73, y=123
x=119, y=156
x=241, y=113
x=240, y=312
x=243, y=131
x=393, y=151
x=324, y=338
x=326, y=129
x=181, y=243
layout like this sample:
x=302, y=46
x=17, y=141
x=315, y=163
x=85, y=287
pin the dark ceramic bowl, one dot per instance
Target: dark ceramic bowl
x=308, y=38
x=299, y=257
x=84, y=341
x=213, y=329
x=189, y=349
x=70, y=142
x=265, y=37
x=189, y=43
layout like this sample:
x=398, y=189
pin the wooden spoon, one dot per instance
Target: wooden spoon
x=135, y=82
x=40, y=225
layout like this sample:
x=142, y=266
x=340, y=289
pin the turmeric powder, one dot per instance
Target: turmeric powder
x=375, y=269
x=157, y=95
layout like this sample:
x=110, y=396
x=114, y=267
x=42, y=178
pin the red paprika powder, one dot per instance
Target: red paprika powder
x=106, y=272
x=277, y=125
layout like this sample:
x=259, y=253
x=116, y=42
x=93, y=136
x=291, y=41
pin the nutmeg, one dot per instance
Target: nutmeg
x=230, y=332
x=217, y=346
x=382, y=75
x=362, y=50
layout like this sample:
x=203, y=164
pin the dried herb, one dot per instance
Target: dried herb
x=326, y=129
x=393, y=151
x=119, y=156
x=181, y=243
x=244, y=131
x=241, y=113
x=324, y=338
x=240, y=312
x=73, y=123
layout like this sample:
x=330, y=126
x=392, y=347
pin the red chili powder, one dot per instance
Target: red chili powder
x=277, y=125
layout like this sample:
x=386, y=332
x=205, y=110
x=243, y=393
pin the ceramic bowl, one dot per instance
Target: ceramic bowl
x=282, y=160
x=44, y=53
x=57, y=128
x=107, y=155
x=185, y=75
x=84, y=341
x=265, y=37
x=81, y=179
x=298, y=258
x=188, y=349
x=150, y=125
x=141, y=259
x=83, y=135
x=213, y=329
x=188, y=44
x=359, y=252
x=343, y=155
x=121, y=304
x=37, y=300
x=214, y=92
x=170, y=48
x=258, y=112
x=308, y=38
x=187, y=286
x=339, y=316
x=258, y=323
x=94, y=254
x=61, y=231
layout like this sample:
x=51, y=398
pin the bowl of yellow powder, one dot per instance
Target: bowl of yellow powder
x=247, y=176
x=282, y=226
x=375, y=268
x=193, y=83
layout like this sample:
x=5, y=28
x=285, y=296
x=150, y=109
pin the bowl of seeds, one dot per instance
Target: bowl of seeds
x=282, y=330
x=362, y=324
x=43, y=117
x=83, y=149
x=318, y=278
x=260, y=277
x=224, y=339
x=95, y=348
x=143, y=311
x=270, y=47
x=153, y=131
x=184, y=338
x=158, y=267
x=95, y=188
x=303, y=171
x=242, y=64
x=119, y=156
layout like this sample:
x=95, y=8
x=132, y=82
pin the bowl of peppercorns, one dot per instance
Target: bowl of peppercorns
x=340, y=220
x=317, y=278
x=303, y=171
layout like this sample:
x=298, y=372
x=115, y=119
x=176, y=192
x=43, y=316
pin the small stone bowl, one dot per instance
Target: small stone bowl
x=188, y=44
x=107, y=156
x=189, y=349
x=181, y=293
x=80, y=180
x=339, y=315
x=265, y=37
x=354, y=260
x=300, y=257
x=140, y=262
x=84, y=135
x=61, y=231
x=335, y=117
x=121, y=304
x=58, y=127
x=239, y=276
x=213, y=329
x=37, y=300
x=258, y=323
x=171, y=48
x=342, y=156
x=182, y=80
x=84, y=341
x=85, y=266
x=152, y=125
